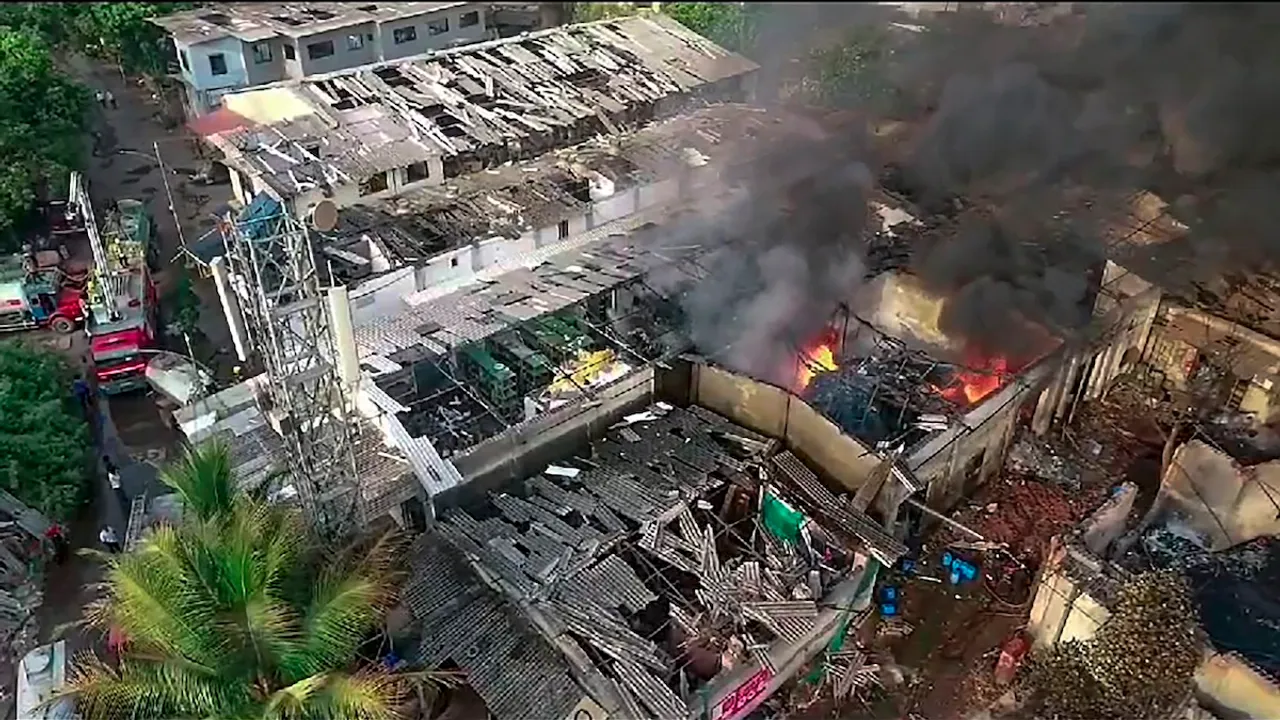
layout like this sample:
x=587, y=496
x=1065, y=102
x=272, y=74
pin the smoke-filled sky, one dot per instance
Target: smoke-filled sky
x=1175, y=97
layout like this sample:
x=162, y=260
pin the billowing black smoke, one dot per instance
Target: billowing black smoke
x=1052, y=128
x=1044, y=132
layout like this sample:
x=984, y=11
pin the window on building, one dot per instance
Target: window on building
x=316, y=51
x=416, y=172
x=468, y=19
x=453, y=262
x=438, y=27
x=289, y=53
x=218, y=64
x=184, y=60
x=563, y=229
x=355, y=42
x=404, y=35
x=375, y=184
x=261, y=53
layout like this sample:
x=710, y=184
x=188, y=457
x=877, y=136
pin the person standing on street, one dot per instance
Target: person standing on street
x=58, y=537
x=110, y=99
x=109, y=539
x=84, y=394
x=100, y=97
x=113, y=477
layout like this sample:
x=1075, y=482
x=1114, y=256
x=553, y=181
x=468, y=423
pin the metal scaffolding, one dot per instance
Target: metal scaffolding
x=288, y=321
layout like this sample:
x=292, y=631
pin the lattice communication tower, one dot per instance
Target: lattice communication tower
x=287, y=319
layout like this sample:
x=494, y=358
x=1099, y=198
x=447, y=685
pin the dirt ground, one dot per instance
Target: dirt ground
x=131, y=431
x=125, y=166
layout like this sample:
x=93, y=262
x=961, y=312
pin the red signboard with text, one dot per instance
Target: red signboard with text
x=744, y=698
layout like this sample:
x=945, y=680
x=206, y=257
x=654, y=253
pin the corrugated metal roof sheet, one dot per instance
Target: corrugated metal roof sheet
x=553, y=549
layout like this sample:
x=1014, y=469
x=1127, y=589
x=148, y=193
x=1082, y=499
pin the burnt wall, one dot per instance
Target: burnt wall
x=960, y=459
x=777, y=413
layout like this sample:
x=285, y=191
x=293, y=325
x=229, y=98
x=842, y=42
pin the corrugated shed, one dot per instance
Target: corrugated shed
x=886, y=548
x=495, y=95
x=519, y=675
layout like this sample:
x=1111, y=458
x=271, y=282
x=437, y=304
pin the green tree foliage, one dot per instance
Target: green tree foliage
x=1138, y=666
x=42, y=120
x=184, y=305
x=855, y=73
x=235, y=612
x=729, y=25
x=121, y=32
x=44, y=440
x=118, y=32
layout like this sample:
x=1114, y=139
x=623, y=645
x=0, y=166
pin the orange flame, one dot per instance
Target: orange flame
x=818, y=359
x=971, y=386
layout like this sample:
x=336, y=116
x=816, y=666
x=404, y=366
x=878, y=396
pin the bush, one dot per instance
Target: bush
x=1138, y=666
x=42, y=118
x=44, y=439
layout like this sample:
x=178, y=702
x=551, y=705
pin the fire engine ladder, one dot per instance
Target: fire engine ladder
x=107, y=285
x=133, y=528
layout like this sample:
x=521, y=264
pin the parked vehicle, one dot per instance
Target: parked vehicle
x=36, y=292
x=123, y=309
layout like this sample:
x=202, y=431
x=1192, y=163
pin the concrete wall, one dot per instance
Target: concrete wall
x=971, y=451
x=457, y=266
x=775, y=412
x=1231, y=688
x=344, y=56
x=1127, y=307
x=1062, y=610
x=1101, y=529
x=268, y=70
x=425, y=41
x=382, y=296
x=528, y=447
x=197, y=72
x=1208, y=492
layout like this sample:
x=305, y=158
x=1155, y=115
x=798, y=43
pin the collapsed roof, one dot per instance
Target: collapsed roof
x=506, y=98
x=516, y=198
x=642, y=562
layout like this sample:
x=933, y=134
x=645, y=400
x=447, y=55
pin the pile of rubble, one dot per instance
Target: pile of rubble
x=1024, y=514
x=22, y=555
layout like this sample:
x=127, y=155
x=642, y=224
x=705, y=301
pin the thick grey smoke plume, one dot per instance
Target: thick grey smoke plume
x=1178, y=98
x=1044, y=132
x=791, y=246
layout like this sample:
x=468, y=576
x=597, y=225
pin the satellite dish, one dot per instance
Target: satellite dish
x=324, y=216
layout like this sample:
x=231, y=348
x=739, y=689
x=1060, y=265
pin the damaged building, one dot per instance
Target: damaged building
x=655, y=557
x=1213, y=521
x=443, y=166
x=377, y=130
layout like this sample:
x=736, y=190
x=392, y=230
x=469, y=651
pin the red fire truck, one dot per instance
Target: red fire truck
x=121, y=302
x=119, y=334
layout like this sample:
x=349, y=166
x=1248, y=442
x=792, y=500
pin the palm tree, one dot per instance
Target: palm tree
x=234, y=612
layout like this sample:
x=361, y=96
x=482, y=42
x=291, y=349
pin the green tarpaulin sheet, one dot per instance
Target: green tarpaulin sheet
x=781, y=520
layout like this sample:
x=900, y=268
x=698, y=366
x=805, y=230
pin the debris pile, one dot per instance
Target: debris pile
x=1033, y=458
x=1237, y=603
x=1025, y=515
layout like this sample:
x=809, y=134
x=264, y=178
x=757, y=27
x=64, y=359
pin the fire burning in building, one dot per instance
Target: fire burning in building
x=878, y=388
x=818, y=357
x=979, y=378
x=965, y=384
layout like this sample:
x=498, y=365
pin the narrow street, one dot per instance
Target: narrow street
x=129, y=428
